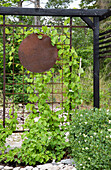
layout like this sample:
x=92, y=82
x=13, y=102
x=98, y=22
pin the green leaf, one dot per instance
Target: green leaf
x=54, y=39
x=22, y=31
x=44, y=28
x=17, y=65
x=40, y=37
x=81, y=70
x=19, y=40
x=66, y=30
x=60, y=52
x=10, y=58
x=54, y=32
x=9, y=64
x=67, y=41
x=7, y=31
x=63, y=37
x=38, y=31
x=67, y=21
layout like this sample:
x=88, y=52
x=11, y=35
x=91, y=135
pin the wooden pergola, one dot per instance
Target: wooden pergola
x=97, y=15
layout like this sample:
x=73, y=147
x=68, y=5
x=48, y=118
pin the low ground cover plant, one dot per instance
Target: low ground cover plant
x=90, y=139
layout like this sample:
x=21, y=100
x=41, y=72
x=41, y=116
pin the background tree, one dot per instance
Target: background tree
x=102, y=4
x=58, y=3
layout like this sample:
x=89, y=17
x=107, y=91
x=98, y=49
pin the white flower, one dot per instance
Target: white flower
x=95, y=133
x=85, y=122
x=81, y=115
x=85, y=140
x=20, y=105
x=49, y=137
x=107, y=112
x=67, y=134
x=83, y=167
x=80, y=164
x=84, y=135
x=106, y=136
x=36, y=119
x=109, y=121
x=67, y=140
x=91, y=136
x=71, y=91
x=86, y=148
x=109, y=130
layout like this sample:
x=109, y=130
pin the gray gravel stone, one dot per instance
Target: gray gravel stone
x=74, y=168
x=35, y=168
x=67, y=161
x=61, y=166
x=55, y=167
x=8, y=168
x=48, y=166
x=29, y=167
x=16, y=168
x=66, y=167
x=1, y=167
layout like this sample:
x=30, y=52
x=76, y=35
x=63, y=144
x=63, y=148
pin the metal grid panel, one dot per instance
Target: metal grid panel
x=12, y=80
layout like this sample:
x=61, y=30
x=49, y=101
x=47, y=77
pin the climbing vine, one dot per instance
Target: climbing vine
x=47, y=137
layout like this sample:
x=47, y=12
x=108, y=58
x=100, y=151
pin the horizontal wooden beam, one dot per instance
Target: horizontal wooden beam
x=105, y=42
x=105, y=15
x=105, y=32
x=106, y=46
x=107, y=56
x=52, y=12
x=104, y=52
x=105, y=37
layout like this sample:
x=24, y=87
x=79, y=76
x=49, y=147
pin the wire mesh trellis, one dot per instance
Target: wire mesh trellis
x=14, y=83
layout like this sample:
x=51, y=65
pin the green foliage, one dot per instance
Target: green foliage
x=46, y=138
x=87, y=89
x=10, y=126
x=101, y=4
x=58, y=4
x=12, y=44
x=90, y=138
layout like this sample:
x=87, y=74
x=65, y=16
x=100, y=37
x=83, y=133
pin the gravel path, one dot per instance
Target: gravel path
x=66, y=164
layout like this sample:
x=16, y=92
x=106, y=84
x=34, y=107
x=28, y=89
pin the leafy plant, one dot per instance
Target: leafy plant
x=90, y=139
x=46, y=138
x=47, y=135
x=10, y=126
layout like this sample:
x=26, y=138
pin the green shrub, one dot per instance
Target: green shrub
x=10, y=126
x=90, y=138
x=46, y=139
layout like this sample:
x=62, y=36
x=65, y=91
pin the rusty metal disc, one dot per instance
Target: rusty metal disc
x=37, y=55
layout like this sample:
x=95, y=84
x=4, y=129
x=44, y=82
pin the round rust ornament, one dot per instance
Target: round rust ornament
x=37, y=55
